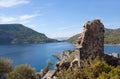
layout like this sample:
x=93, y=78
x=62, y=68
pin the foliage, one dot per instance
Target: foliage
x=97, y=69
x=21, y=72
x=115, y=73
x=69, y=74
x=104, y=76
x=5, y=65
x=100, y=67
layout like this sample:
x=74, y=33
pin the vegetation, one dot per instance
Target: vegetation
x=5, y=66
x=96, y=69
x=18, y=33
x=112, y=36
x=91, y=68
x=21, y=72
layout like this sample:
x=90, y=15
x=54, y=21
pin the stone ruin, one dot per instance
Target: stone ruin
x=90, y=42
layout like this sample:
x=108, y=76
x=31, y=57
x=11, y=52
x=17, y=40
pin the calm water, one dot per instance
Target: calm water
x=37, y=55
x=112, y=48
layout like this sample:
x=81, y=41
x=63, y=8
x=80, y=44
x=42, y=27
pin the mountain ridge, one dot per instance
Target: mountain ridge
x=112, y=36
x=19, y=34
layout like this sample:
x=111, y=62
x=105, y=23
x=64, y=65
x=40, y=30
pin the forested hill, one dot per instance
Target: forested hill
x=19, y=34
x=112, y=36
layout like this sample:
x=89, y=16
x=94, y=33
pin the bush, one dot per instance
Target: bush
x=21, y=72
x=68, y=74
x=99, y=68
x=5, y=65
x=95, y=70
x=115, y=73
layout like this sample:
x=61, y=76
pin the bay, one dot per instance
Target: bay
x=37, y=55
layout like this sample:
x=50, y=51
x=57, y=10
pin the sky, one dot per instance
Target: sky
x=59, y=18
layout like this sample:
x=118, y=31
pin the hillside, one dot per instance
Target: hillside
x=112, y=36
x=19, y=34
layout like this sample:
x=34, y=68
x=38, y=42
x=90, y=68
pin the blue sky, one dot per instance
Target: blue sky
x=59, y=18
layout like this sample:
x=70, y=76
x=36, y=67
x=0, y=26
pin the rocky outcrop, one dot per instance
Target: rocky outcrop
x=116, y=55
x=63, y=56
x=91, y=41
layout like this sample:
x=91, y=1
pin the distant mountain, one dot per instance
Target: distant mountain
x=73, y=38
x=112, y=36
x=62, y=38
x=19, y=34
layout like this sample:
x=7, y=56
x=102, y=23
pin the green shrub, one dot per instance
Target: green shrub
x=21, y=72
x=100, y=67
x=5, y=65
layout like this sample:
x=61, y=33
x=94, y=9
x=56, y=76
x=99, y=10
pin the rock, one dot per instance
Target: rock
x=91, y=44
x=63, y=56
x=91, y=41
x=114, y=55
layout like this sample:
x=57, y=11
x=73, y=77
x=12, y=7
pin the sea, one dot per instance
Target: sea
x=38, y=55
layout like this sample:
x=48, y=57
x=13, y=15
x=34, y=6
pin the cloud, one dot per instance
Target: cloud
x=11, y=3
x=4, y=19
x=27, y=16
x=17, y=19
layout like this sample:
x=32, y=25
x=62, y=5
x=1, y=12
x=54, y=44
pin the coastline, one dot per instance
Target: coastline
x=111, y=44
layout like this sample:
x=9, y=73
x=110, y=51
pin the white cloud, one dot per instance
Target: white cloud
x=11, y=3
x=24, y=19
x=27, y=16
x=4, y=19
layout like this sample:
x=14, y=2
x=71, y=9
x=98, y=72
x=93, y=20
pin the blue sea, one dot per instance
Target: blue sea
x=37, y=55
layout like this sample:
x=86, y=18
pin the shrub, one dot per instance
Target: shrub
x=5, y=65
x=21, y=72
x=100, y=67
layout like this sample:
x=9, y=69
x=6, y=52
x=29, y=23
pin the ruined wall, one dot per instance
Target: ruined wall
x=91, y=41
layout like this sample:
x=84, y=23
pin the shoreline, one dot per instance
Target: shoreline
x=111, y=44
